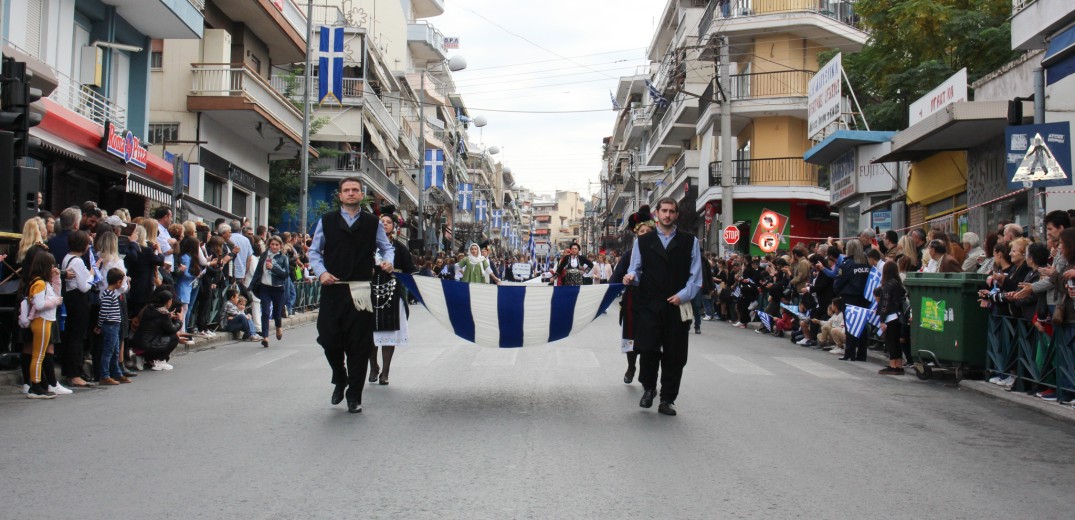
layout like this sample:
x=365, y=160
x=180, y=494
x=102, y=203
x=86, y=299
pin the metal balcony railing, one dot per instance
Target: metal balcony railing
x=783, y=171
x=352, y=88
x=1019, y=5
x=198, y=4
x=87, y=102
x=841, y=11
x=784, y=83
x=357, y=163
x=223, y=79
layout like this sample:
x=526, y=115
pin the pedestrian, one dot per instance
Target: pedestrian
x=850, y=284
x=108, y=326
x=342, y=256
x=891, y=310
x=390, y=317
x=157, y=334
x=270, y=277
x=475, y=268
x=43, y=297
x=641, y=223
x=76, y=299
x=667, y=267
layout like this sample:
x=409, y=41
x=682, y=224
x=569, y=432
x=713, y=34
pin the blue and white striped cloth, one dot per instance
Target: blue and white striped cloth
x=508, y=316
x=766, y=320
x=873, y=281
x=855, y=319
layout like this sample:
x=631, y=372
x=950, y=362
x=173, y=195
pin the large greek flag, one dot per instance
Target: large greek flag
x=855, y=319
x=873, y=281
x=509, y=316
x=330, y=64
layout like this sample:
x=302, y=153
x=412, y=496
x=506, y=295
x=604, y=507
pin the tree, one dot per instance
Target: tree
x=285, y=175
x=915, y=45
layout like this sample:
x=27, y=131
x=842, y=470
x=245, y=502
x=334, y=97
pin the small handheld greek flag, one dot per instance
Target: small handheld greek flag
x=766, y=320
x=855, y=319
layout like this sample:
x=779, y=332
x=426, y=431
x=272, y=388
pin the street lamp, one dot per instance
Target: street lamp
x=454, y=64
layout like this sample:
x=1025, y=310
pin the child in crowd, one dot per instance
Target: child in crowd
x=236, y=318
x=44, y=296
x=832, y=329
x=108, y=322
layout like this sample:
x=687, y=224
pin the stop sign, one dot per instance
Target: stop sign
x=731, y=235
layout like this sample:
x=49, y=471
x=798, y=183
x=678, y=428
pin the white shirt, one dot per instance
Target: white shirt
x=82, y=278
x=105, y=267
x=243, y=256
x=166, y=249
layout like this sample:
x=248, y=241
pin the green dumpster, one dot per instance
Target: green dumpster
x=948, y=327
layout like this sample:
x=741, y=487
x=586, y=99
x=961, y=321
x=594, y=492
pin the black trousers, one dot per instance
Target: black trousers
x=346, y=335
x=76, y=328
x=856, y=346
x=662, y=343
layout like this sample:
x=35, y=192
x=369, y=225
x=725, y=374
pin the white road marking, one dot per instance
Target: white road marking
x=814, y=368
x=737, y=365
x=257, y=360
x=495, y=357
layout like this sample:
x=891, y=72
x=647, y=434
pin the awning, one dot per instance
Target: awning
x=148, y=189
x=839, y=143
x=1059, y=61
x=942, y=175
x=959, y=126
x=206, y=211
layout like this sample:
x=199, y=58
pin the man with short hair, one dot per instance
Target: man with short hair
x=892, y=245
x=342, y=257
x=1054, y=277
x=69, y=221
x=91, y=214
x=800, y=269
x=163, y=216
x=945, y=263
x=866, y=238
x=667, y=268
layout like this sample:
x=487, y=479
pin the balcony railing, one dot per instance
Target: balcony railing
x=198, y=4
x=1019, y=5
x=784, y=171
x=707, y=97
x=87, y=102
x=842, y=11
x=355, y=162
x=222, y=79
x=784, y=83
x=352, y=88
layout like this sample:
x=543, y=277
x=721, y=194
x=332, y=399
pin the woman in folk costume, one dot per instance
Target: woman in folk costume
x=390, y=301
x=475, y=267
x=573, y=266
x=641, y=223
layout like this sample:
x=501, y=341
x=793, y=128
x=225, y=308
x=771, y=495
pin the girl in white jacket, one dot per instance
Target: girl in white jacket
x=44, y=298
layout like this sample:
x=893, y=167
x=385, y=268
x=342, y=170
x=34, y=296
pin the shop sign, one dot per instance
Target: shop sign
x=882, y=220
x=874, y=178
x=954, y=89
x=124, y=146
x=451, y=42
x=1038, y=156
x=824, y=95
x=241, y=177
x=842, y=177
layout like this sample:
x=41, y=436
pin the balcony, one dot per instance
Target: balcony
x=348, y=164
x=785, y=171
x=426, y=42
x=779, y=93
x=246, y=103
x=1035, y=21
x=784, y=83
x=280, y=24
x=677, y=124
x=165, y=19
x=427, y=8
x=352, y=88
x=87, y=102
x=826, y=23
x=639, y=121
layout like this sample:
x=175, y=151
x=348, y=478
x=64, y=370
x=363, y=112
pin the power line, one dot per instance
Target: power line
x=558, y=59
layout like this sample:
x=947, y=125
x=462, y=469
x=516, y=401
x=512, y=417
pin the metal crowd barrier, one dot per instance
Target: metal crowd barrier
x=1016, y=348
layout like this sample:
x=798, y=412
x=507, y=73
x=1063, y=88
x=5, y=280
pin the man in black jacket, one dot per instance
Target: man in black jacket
x=667, y=267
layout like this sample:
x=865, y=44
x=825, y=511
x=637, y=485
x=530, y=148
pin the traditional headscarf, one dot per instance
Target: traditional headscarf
x=474, y=259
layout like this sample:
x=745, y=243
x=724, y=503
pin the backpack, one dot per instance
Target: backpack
x=27, y=313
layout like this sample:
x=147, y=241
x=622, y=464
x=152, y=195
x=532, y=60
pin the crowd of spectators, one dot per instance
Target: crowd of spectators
x=128, y=289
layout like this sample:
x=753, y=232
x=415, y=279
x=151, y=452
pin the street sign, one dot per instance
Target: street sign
x=1038, y=155
x=769, y=223
x=768, y=242
x=731, y=235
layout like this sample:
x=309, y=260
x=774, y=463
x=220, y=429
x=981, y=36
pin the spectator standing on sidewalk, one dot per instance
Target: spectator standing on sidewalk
x=850, y=283
x=891, y=312
x=108, y=326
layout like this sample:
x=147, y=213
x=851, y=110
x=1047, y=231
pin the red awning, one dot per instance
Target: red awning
x=79, y=131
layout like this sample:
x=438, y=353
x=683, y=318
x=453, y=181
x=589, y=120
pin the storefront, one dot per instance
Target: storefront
x=81, y=160
x=862, y=192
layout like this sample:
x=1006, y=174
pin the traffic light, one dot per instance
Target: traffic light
x=15, y=100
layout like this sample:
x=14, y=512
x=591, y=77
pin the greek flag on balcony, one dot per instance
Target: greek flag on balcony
x=330, y=64
x=498, y=218
x=615, y=105
x=466, y=196
x=434, y=168
x=655, y=94
x=510, y=316
x=480, y=208
x=855, y=319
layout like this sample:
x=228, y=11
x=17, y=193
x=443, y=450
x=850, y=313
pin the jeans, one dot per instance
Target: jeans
x=242, y=323
x=192, y=307
x=289, y=295
x=272, y=303
x=696, y=306
x=110, y=351
x=707, y=302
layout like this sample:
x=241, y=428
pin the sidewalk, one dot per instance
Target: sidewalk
x=1052, y=409
x=13, y=378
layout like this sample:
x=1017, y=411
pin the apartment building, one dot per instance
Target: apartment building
x=92, y=59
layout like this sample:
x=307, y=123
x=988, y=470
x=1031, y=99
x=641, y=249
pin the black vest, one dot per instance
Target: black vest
x=349, y=250
x=664, y=271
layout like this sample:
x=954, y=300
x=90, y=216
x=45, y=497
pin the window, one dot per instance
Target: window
x=238, y=202
x=156, y=54
x=161, y=132
x=255, y=64
x=214, y=191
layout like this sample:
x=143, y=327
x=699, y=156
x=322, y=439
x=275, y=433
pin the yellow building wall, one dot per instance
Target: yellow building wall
x=779, y=6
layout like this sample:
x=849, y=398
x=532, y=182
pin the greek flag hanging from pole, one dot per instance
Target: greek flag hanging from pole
x=434, y=168
x=466, y=196
x=330, y=65
x=508, y=316
x=480, y=208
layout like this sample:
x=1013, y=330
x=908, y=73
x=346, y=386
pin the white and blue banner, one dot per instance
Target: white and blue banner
x=498, y=218
x=434, y=168
x=855, y=319
x=481, y=208
x=766, y=320
x=873, y=281
x=794, y=310
x=508, y=316
x=330, y=64
x=466, y=196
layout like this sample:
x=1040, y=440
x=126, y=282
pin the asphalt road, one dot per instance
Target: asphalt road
x=765, y=430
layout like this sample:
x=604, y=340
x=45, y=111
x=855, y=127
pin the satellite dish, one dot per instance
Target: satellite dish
x=493, y=150
x=480, y=121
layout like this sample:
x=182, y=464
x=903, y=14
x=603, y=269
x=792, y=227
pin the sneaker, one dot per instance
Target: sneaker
x=156, y=367
x=995, y=379
x=740, y=326
x=707, y=318
x=803, y=341
x=202, y=333
x=838, y=351
x=761, y=331
x=38, y=391
x=60, y=390
x=1009, y=381
x=25, y=389
x=166, y=366
x=1047, y=395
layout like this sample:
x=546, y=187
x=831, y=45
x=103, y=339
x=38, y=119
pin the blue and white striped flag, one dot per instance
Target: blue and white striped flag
x=509, y=316
x=466, y=196
x=873, y=281
x=655, y=94
x=434, y=168
x=498, y=218
x=766, y=320
x=615, y=105
x=330, y=64
x=855, y=319
x=737, y=292
x=875, y=320
x=794, y=310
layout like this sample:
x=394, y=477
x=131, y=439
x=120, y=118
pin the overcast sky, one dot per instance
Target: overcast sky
x=555, y=55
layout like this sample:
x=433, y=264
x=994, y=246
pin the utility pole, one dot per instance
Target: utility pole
x=303, y=203
x=727, y=214
x=1036, y=196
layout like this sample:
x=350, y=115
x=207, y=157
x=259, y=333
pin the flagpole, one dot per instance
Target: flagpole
x=303, y=210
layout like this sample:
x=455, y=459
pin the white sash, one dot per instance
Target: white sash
x=361, y=295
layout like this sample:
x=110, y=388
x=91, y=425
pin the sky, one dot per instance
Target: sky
x=555, y=55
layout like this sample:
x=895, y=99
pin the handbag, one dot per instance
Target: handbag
x=1060, y=312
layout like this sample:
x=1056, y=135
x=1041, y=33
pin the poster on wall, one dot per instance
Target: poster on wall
x=882, y=220
x=769, y=232
x=1038, y=156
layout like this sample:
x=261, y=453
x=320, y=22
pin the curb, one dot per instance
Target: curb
x=1052, y=409
x=14, y=378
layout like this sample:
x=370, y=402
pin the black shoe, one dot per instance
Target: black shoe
x=337, y=394
x=666, y=408
x=373, y=374
x=353, y=406
x=647, y=398
x=845, y=358
x=697, y=331
x=629, y=375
